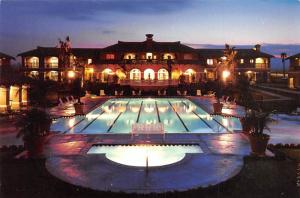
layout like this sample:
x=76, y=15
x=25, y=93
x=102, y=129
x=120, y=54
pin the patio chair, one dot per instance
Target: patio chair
x=116, y=93
x=140, y=92
x=60, y=102
x=73, y=99
x=185, y=93
x=178, y=93
x=164, y=93
x=198, y=92
x=121, y=93
x=133, y=93
x=158, y=92
x=102, y=93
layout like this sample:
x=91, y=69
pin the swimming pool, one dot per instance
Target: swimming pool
x=178, y=115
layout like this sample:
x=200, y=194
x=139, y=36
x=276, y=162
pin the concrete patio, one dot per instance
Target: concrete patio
x=222, y=159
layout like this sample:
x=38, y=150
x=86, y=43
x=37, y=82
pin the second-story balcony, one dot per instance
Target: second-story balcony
x=32, y=65
x=261, y=65
x=51, y=65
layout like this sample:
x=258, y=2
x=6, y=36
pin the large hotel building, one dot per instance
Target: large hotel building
x=147, y=60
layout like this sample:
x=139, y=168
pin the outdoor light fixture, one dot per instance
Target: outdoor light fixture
x=71, y=74
x=225, y=74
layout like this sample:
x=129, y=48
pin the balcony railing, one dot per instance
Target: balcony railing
x=261, y=66
x=32, y=65
x=51, y=65
x=150, y=83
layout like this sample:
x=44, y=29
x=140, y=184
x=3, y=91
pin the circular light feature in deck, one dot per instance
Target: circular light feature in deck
x=141, y=155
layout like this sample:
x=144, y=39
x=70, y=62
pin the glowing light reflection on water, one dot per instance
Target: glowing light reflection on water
x=136, y=155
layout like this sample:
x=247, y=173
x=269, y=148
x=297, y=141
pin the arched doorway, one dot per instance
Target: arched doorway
x=163, y=74
x=190, y=75
x=135, y=74
x=105, y=74
x=149, y=74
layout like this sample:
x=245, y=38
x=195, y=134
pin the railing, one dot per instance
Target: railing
x=261, y=66
x=32, y=65
x=149, y=82
x=51, y=65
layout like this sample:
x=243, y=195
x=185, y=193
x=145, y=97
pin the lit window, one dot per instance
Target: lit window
x=32, y=62
x=135, y=74
x=129, y=56
x=251, y=61
x=163, y=74
x=149, y=74
x=106, y=73
x=109, y=56
x=90, y=61
x=259, y=60
x=33, y=74
x=168, y=56
x=53, y=62
x=242, y=61
x=210, y=61
x=149, y=55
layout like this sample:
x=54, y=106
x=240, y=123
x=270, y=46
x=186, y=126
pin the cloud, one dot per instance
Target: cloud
x=91, y=9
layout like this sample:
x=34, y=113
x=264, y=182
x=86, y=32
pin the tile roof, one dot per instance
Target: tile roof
x=3, y=55
x=54, y=51
x=294, y=56
x=148, y=46
x=241, y=53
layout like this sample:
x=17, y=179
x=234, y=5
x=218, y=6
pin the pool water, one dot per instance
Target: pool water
x=145, y=155
x=178, y=115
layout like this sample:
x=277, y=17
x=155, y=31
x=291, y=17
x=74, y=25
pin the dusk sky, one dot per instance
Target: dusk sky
x=25, y=24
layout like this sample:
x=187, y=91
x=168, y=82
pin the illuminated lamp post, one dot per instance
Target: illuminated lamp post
x=283, y=57
x=71, y=74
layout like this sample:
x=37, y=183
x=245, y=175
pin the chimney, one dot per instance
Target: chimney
x=149, y=37
x=257, y=47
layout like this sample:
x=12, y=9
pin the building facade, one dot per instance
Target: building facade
x=13, y=95
x=142, y=62
x=5, y=64
x=294, y=71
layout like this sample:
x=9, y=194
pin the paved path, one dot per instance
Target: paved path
x=68, y=109
x=280, y=89
x=206, y=103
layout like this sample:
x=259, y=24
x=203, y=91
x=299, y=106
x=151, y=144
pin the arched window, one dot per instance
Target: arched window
x=105, y=74
x=190, y=75
x=53, y=62
x=149, y=74
x=163, y=74
x=135, y=74
x=32, y=62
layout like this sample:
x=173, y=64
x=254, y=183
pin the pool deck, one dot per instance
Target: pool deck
x=222, y=159
x=67, y=160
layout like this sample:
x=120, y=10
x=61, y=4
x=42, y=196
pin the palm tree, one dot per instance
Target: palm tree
x=283, y=57
x=33, y=127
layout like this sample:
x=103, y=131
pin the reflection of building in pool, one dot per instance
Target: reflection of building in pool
x=146, y=61
x=294, y=71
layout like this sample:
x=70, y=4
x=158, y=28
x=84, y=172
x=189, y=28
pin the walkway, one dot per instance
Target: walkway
x=89, y=102
x=206, y=103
